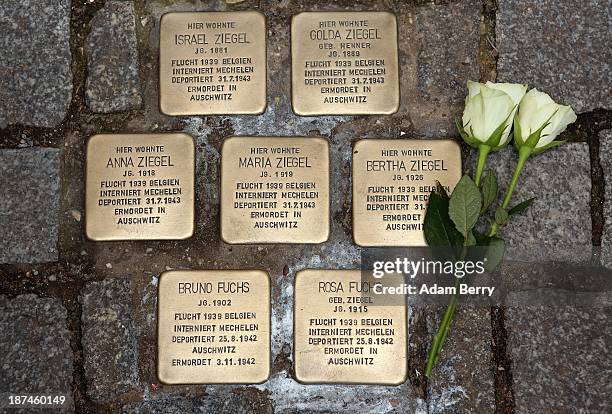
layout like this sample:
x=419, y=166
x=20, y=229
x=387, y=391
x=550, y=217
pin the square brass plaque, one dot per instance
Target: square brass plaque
x=344, y=63
x=214, y=327
x=212, y=63
x=342, y=336
x=140, y=187
x=392, y=180
x=275, y=190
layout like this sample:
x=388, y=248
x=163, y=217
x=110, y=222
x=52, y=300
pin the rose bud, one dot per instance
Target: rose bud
x=489, y=110
x=539, y=121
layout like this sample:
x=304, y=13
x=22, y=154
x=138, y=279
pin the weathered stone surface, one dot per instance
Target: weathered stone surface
x=223, y=400
x=109, y=339
x=438, y=54
x=560, y=47
x=113, y=82
x=289, y=396
x=463, y=380
x=168, y=405
x=605, y=159
x=552, y=283
x=35, y=75
x=29, y=215
x=35, y=347
x=557, y=226
x=560, y=358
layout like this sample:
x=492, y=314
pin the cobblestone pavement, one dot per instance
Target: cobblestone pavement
x=81, y=315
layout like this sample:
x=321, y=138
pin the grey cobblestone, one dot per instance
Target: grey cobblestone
x=560, y=47
x=463, y=380
x=223, y=402
x=438, y=55
x=35, y=347
x=29, y=208
x=605, y=159
x=35, y=75
x=557, y=226
x=113, y=82
x=109, y=339
x=560, y=358
x=167, y=405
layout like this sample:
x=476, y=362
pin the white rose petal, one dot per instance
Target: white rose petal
x=515, y=90
x=537, y=108
x=558, y=123
x=487, y=106
x=474, y=88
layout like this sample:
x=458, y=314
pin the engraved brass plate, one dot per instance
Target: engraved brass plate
x=214, y=327
x=140, y=187
x=392, y=180
x=212, y=63
x=342, y=336
x=344, y=63
x=275, y=190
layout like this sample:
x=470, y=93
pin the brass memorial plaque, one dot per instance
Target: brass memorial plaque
x=140, y=187
x=392, y=180
x=212, y=63
x=214, y=327
x=275, y=190
x=342, y=335
x=344, y=63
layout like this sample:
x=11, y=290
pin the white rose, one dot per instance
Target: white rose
x=489, y=107
x=535, y=110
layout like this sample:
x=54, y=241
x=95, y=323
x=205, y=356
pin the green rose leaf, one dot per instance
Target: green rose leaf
x=501, y=216
x=464, y=205
x=489, y=190
x=440, y=189
x=494, y=250
x=438, y=227
x=496, y=136
x=471, y=240
x=521, y=207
